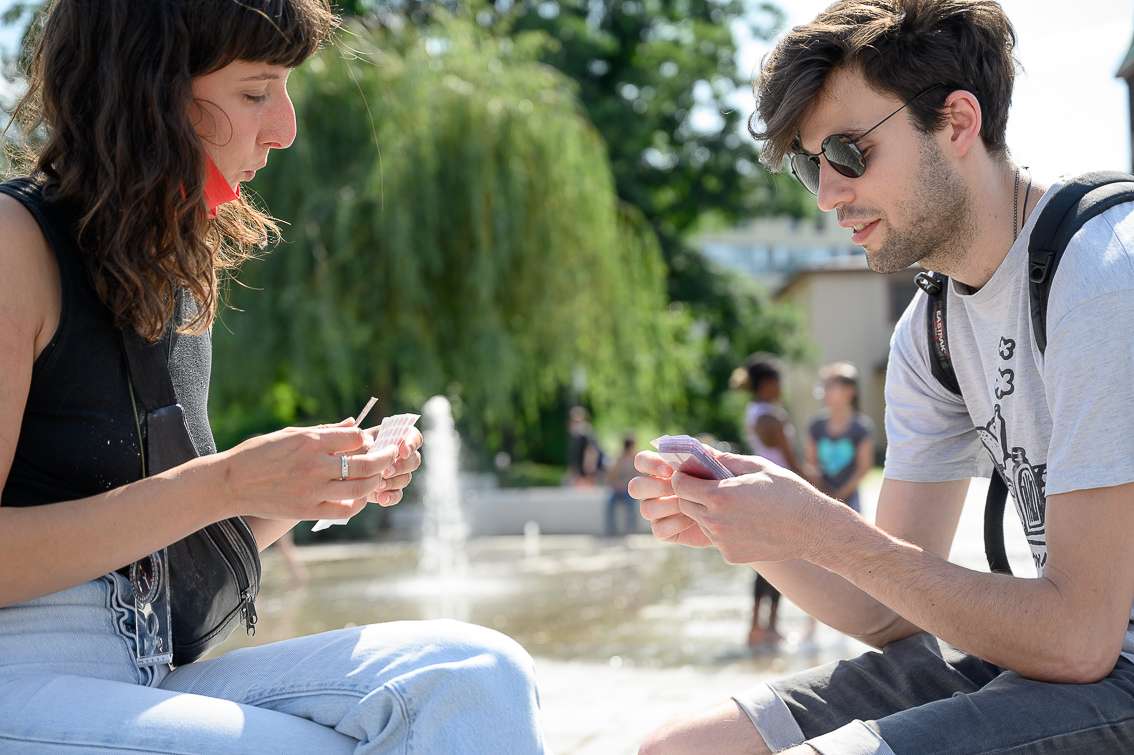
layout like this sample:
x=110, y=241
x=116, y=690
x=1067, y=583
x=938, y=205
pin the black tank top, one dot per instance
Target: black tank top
x=78, y=436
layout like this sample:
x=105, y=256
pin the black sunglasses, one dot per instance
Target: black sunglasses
x=841, y=151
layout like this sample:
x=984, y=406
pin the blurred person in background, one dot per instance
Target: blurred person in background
x=839, y=446
x=770, y=434
x=584, y=457
x=618, y=478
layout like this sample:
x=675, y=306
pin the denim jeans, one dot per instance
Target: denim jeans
x=621, y=499
x=69, y=683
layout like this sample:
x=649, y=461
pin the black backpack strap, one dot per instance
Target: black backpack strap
x=937, y=329
x=1065, y=213
x=994, y=504
x=940, y=362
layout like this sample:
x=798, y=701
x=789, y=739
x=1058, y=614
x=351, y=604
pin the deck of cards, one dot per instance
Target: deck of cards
x=688, y=455
x=392, y=431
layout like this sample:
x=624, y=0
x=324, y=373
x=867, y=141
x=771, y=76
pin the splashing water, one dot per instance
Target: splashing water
x=444, y=533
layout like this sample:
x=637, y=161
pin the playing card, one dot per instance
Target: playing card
x=391, y=431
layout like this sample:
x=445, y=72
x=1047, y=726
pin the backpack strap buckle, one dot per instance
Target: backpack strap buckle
x=928, y=283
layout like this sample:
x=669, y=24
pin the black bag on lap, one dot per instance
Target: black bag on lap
x=214, y=574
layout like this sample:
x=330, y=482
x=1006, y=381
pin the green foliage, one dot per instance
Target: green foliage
x=659, y=80
x=455, y=230
x=528, y=474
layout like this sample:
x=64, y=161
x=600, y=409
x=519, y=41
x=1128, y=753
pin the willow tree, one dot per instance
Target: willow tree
x=454, y=228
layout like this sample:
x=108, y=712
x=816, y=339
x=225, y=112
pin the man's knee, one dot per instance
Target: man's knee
x=723, y=730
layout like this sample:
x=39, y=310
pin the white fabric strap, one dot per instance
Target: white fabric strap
x=856, y=738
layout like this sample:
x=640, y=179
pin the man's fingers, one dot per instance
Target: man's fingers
x=659, y=508
x=742, y=465
x=668, y=528
x=649, y=463
x=693, y=488
x=644, y=488
x=691, y=509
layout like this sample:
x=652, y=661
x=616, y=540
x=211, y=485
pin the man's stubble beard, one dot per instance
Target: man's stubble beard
x=937, y=228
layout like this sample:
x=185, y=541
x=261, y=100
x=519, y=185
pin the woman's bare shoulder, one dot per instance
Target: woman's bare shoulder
x=29, y=275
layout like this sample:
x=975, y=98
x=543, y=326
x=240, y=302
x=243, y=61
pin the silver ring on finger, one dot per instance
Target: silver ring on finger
x=344, y=467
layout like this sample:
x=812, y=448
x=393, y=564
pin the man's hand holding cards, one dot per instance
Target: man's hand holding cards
x=688, y=455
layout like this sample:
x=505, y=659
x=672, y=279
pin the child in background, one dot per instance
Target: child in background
x=839, y=443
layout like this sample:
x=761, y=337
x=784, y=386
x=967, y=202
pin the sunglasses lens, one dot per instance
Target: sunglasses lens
x=806, y=169
x=844, y=156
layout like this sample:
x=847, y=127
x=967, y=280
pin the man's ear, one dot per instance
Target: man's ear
x=963, y=119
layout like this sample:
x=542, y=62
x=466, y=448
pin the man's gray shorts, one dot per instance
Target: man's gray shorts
x=921, y=697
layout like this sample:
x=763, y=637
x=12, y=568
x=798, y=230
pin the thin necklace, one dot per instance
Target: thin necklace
x=1016, y=206
x=1027, y=193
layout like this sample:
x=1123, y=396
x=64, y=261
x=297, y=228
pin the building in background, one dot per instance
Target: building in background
x=849, y=311
x=849, y=315
x=1126, y=71
x=772, y=249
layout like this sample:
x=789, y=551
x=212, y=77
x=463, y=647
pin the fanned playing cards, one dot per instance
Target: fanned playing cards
x=392, y=430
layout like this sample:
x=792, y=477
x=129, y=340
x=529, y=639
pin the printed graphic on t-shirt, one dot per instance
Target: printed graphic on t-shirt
x=1026, y=481
x=835, y=454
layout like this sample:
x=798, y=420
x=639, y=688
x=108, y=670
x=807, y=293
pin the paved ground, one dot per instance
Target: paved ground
x=607, y=709
x=626, y=634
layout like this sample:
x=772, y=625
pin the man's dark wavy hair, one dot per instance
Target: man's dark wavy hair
x=109, y=92
x=901, y=47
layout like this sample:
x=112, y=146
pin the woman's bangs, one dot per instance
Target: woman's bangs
x=278, y=32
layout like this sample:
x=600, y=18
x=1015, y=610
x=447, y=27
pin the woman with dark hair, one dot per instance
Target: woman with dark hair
x=150, y=113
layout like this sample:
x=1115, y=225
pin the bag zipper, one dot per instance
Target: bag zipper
x=249, y=587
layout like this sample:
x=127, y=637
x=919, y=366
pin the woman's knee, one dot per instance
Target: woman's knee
x=496, y=656
x=484, y=661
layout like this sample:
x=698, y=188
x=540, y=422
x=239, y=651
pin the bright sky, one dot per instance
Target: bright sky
x=1069, y=113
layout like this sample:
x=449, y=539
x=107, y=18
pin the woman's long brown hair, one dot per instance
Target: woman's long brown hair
x=109, y=91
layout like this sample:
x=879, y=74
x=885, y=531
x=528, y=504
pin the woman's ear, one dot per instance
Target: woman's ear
x=963, y=119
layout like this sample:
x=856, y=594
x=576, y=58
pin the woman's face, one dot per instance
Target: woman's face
x=241, y=112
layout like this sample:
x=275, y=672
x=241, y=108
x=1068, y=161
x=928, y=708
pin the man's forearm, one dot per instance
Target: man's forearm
x=1021, y=624
x=836, y=602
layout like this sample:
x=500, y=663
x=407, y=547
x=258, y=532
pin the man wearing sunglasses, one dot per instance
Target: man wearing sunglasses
x=893, y=113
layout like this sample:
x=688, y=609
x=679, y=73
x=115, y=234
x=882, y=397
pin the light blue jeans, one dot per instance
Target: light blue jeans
x=69, y=684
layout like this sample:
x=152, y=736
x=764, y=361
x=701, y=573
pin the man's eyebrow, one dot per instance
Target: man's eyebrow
x=262, y=77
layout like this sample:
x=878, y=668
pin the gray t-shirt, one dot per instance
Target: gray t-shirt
x=1013, y=396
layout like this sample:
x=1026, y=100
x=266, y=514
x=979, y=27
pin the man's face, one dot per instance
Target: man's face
x=910, y=205
x=242, y=112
